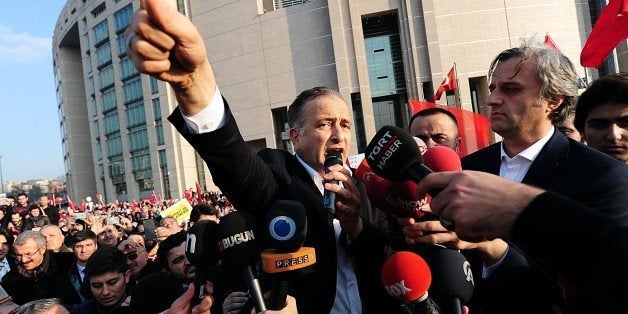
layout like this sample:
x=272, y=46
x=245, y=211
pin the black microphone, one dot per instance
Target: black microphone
x=200, y=250
x=329, y=198
x=452, y=280
x=239, y=247
x=285, y=231
x=394, y=155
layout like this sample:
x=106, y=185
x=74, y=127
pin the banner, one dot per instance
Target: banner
x=180, y=211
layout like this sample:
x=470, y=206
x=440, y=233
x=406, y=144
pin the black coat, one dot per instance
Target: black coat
x=580, y=173
x=253, y=182
x=52, y=283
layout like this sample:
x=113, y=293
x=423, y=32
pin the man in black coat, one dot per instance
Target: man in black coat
x=40, y=273
x=532, y=88
x=349, y=249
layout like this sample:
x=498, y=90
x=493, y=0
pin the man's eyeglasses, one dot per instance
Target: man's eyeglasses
x=27, y=255
x=132, y=256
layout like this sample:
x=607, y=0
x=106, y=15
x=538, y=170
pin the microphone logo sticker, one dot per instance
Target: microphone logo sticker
x=398, y=289
x=282, y=228
x=236, y=239
x=466, y=267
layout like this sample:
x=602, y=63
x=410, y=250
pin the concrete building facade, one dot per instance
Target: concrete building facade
x=378, y=54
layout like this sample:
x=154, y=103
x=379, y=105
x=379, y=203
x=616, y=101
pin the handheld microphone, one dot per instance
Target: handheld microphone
x=452, y=280
x=201, y=252
x=285, y=231
x=406, y=277
x=442, y=158
x=239, y=247
x=394, y=155
x=329, y=198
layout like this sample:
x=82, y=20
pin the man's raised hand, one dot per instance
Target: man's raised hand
x=163, y=43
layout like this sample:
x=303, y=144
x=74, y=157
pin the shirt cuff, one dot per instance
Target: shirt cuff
x=488, y=271
x=209, y=119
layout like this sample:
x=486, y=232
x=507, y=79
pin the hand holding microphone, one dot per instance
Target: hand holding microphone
x=341, y=198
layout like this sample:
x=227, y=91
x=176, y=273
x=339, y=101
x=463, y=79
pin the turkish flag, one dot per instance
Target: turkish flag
x=473, y=128
x=610, y=28
x=199, y=194
x=448, y=83
x=549, y=42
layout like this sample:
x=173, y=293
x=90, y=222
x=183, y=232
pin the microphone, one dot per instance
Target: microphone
x=406, y=277
x=442, y=158
x=239, y=247
x=452, y=280
x=201, y=252
x=285, y=230
x=395, y=155
x=329, y=198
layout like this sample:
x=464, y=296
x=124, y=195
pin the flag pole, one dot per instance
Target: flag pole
x=457, y=90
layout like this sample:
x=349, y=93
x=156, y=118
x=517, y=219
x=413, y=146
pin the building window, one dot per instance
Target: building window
x=138, y=139
x=127, y=70
x=98, y=150
x=100, y=32
x=91, y=91
x=85, y=42
x=139, y=163
x=122, y=18
x=106, y=77
x=132, y=90
x=282, y=130
x=156, y=109
x=145, y=184
x=120, y=188
x=135, y=114
x=103, y=55
x=154, y=85
x=165, y=178
x=479, y=93
x=116, y=168
x=96, y=130
x=108, y=100
x=288, y=3
x=383, y=55
x=99, y=9
x=92, y=104
x=121, y=41
x=112, y=123
x=159, y=131
x=114, y=145
x=88, y=64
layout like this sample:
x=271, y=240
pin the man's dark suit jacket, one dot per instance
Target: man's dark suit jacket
x=254, y=182
x=583, y=174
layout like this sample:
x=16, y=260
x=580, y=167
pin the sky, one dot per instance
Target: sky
x=30, y=139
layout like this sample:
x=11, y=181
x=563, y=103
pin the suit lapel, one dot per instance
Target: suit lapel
x=556, y=149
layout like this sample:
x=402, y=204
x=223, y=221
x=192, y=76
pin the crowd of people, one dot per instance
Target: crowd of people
x=541, y=216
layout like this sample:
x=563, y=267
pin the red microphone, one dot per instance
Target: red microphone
x=395, y=198
x=406, y=277
x=442, y=158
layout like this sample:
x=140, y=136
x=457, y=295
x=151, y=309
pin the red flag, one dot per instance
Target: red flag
x=199, y=195
x=133, y=205
x=53, y=201
x=83, y=205
x=188, y=195
x=549, y=42
x=72, y=205
x=153, y=198
x=473, y=128
x=116, y=204
x=610, y=28
x=448, y=83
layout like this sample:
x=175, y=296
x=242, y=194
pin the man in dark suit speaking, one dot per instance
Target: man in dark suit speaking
x=531, y=88
x=344, y=279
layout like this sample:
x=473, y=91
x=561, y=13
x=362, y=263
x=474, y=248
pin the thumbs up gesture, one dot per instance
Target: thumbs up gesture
x=163, y=43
